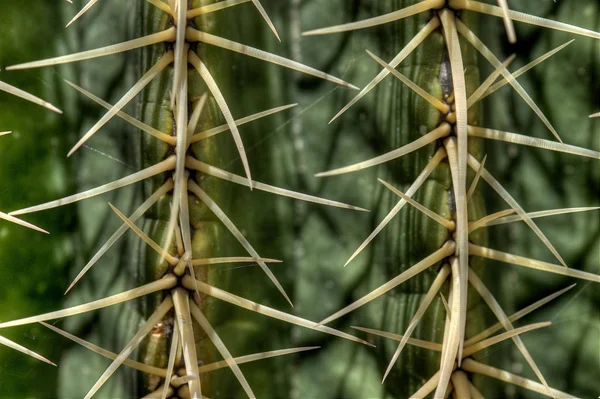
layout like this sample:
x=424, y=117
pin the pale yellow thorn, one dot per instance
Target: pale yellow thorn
x=478, y=93
x=251, y=358
x=194, y=35
x=492, y=59
x=182, y=265
x=185, y=226
x=454, y=337
x=472, y=366
x=184, y=379
x=179, y=99
x=179, y=242
x=411, y=341
x=434, y=101
x=13, y=345
x=5, y=133
x=195, y=118
x=161, y=167
x=161, y=6
x=522, y=17
x=137, y=339
x=20, y=222
x=193, y=187
x=514, y=138
x=435, y=160
x=27, y=96
x=138, y=87
x=508, y=23
x=427, y=388
x=439, y=132
x=218, y=96
x=540, y=214
x=193, y=163
x=420, y=7
x=89, y=5
x=525, y=68
x=459, y=183
x=131, y=120
x=233, y=259
x=167, y=35
x=446, y=250
x=431, y=294
x=106, y=353
x=431, y=26
x=457, y=149
x=180, y=54
x=469, y=350
x=158, y=394
x=183, y=317
x=493, y=304
x=488, y=253
x=220, y=345
x=517, y=315
x=179, y=381
x=196, y=12
x=596, y=115
x=476, y=179
x=474, y=164
x=265, y=310
x=460, y=382
x=172, y=260
x=153, y=199
x=475, y=394
x=159, y=285
x=445, y=304
x=265, y=16
x=484, y=221
x=238, y=122
x=448, y=224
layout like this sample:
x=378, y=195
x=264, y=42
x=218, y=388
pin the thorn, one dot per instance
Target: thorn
x=164, y=36
x=216, y=340
x=447, y=249
x=435, y=160
x=194, y=188
x=265, y=16
x=89, y=5
x=196, y=12
x=172, y=260
x=195, y=35
x=439, y=132
x=153, y=199
x=161, y=167
x=13, y=345
x=193, y=163
x=20, y=222
x=420, y=7
x=239, y=122
x=27, y=96
x=432, y=25
x=134, y=91
x=159, y=285
x=265, y=310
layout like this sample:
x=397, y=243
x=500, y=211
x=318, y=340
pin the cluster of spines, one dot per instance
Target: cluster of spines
x=454, y=348
x=453, y=134
x=182, y=288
